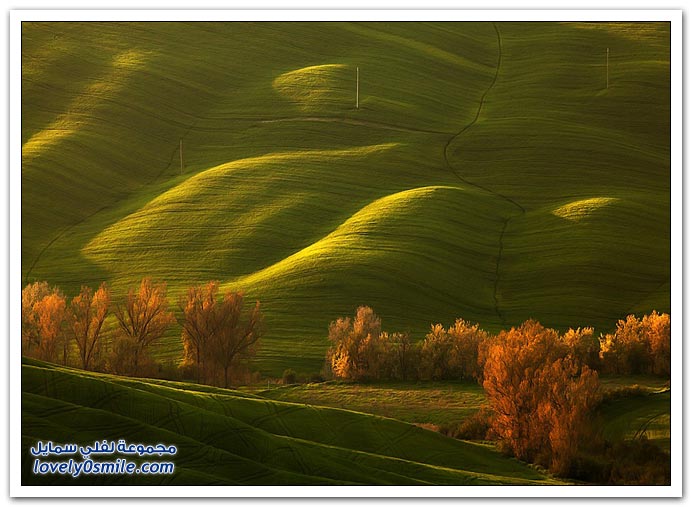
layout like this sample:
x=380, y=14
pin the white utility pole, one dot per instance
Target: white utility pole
x=357, y=88
x=607, y=67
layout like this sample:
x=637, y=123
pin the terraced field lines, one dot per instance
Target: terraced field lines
x=233, y=438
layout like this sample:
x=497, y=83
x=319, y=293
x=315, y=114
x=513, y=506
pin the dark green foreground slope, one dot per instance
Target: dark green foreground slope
x=224, y=437
x=488, y=173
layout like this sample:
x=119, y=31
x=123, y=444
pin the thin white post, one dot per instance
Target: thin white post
x=181, y=155
x=357, y=88
x=607, y=68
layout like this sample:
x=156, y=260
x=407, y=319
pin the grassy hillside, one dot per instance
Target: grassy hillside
x=447, y=403
x=487, y=174
x=228, y=437
x=430, y=402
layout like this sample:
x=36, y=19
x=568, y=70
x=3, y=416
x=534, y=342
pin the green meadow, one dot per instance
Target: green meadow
x=226, y=437
x=434, y=404
x=333, y=433
x=495, y=172
x=488, y=172
x=427, y=403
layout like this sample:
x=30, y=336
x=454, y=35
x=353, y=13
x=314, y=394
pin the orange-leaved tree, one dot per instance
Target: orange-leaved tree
x=584, y=345
x=400, y=356
x=200, y=320
x=32, y=294
x=50, y=319
x=357, y=346
x=237, y=332
x=87, y=313
x=435, y=353
x=638, y=345
x=143, y=318
x=468, y=339
x=452, y=353
x=542, y=396
x=658, y=334
x=568, y=393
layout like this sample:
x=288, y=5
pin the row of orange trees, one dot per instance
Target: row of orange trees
x=218, y=334
x=542, y=386
x=362, y=351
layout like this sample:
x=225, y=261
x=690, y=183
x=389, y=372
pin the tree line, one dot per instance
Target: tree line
x=360, y=350
x=219, y=335
x=542, y=385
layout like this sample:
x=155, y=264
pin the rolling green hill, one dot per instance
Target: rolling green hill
x=226, y=437
x=488, y=173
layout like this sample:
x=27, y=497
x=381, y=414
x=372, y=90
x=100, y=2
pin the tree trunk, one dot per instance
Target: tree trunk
x=135, y=363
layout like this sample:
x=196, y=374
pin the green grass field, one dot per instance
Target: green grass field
x=226, y=437
x=439, y=404
x=488, y=173
x=430, y=402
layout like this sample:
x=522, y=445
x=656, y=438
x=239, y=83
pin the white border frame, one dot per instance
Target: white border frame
x=673, y=16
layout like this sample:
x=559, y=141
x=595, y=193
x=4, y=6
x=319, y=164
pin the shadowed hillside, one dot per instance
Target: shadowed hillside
x=225, y=437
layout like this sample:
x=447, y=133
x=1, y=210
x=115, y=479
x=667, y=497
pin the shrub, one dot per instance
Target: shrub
x=452, y=354
x=475, y=427
x=467, y=339
x=357, y=351
x=169, y=370
x=594, y=468
x=638, y=462
x=126, y=358
x=623, y=392
x=584, y=346
x=289, y=377
x=400, y=356
x=638, y=346
x=435, y=353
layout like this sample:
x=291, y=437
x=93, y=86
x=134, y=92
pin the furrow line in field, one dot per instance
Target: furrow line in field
x=644, y=427
x=649, y=293
x=59, y=235
x=461, y=178
x=497, y=271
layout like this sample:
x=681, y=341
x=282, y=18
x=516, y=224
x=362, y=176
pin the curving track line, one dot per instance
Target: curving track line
x=67, y=228
x=649, y=293
x=352, y=121
x=402, y=128
x=644, y=427
x=461, y=178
